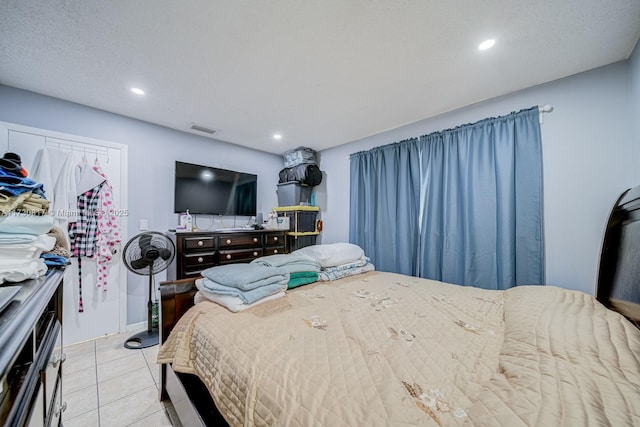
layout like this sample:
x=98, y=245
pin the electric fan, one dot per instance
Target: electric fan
x=147, y=254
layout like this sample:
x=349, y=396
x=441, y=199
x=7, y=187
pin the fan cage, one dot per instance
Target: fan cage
x=133, y=252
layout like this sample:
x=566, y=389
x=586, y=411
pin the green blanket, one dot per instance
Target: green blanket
x=302, y=278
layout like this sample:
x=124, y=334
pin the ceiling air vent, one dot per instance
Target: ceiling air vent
x=203, y=129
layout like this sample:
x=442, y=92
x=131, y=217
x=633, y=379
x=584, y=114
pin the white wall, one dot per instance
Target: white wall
x=587, y=160
x=152, y=153
x=634, y=107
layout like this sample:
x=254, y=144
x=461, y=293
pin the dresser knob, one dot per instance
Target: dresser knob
x=255, y=254
x=200, y=243
x=255, y=240
x=275, y=251
x=275, y=238
x=228, y=241
x=200, y=259
x=229, y=256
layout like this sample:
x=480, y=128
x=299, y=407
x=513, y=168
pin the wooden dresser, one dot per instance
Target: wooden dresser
x=31, y=354
x=200, y=250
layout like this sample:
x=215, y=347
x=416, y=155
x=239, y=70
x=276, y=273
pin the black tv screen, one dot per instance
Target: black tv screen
x=213, y=191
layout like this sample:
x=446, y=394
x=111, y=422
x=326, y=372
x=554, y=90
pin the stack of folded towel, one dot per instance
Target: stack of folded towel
x=303, y=269
x=23, y=238
x=337, y=260
x=24, y=223
x=241, y=286
x=17, y=192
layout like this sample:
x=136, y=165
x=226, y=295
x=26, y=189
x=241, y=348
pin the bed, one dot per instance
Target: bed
x=387, y=349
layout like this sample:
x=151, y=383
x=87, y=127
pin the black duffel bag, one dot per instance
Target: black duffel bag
x=310, y=175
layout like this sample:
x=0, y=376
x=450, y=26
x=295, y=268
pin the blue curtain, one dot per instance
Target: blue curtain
x=477, y=195
x=385, y=186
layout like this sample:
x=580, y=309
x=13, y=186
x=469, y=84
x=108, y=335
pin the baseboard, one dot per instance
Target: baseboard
x=137, y=326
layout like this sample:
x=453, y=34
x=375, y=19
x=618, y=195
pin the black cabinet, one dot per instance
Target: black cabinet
x=31, y=354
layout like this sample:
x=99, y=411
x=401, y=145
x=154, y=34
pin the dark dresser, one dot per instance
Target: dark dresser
x=31, y=354
x=198, y=251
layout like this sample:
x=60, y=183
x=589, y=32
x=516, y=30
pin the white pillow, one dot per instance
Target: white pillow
x=332, y=254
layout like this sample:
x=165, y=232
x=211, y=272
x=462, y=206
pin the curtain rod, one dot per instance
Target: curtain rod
x=547, y=108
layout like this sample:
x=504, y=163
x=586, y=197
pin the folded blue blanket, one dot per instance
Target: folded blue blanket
x=245, y=276
x=249, y=296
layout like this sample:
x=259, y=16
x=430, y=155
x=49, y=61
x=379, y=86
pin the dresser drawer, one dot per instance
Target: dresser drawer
x=274, y=240
x=274, y=250
x=199, y=259
x=246, y=255
x=202, y=242
x=240, y=240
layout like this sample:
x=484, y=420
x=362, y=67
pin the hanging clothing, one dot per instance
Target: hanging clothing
x=80, y=303
x=96, y=231
x=108, y=229
x=83, y=233
x=87, y=177
x=55, y=169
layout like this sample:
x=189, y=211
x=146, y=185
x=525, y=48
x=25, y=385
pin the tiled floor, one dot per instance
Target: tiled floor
x=105, y=384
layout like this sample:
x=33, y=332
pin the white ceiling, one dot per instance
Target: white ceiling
x=321, y=73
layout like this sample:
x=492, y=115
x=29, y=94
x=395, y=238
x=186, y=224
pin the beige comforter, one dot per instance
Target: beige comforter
x=382, y=349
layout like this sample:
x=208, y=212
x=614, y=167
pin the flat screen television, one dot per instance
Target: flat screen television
x=214, y=191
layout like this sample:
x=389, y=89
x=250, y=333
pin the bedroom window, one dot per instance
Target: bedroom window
x=462, y=205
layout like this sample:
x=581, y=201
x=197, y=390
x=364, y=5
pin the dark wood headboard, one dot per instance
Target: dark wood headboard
x=619, y=272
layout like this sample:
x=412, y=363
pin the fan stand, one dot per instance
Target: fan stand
x=147, y=338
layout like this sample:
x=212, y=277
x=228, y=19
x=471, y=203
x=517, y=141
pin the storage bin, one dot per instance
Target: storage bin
x=298, y=242
x=292, y=194
x=300, y=221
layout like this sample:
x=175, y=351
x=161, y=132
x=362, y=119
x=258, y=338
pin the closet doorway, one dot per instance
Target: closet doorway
x=104, y=312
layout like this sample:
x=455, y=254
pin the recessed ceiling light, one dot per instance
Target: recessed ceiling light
x=137, y=91
x=277, y=136
x=487, y=44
